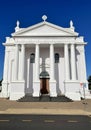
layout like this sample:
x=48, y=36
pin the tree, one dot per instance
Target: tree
x=89, y=82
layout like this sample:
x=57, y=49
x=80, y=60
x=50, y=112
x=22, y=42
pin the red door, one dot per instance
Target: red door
x=44, y=87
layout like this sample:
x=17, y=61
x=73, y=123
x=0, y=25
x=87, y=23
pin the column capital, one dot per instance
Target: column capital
x=37, y=43
x=72, y=43
x=80, y=48
x=23, y=45
x=66, y=43
x=51, y=43
x=16, y=43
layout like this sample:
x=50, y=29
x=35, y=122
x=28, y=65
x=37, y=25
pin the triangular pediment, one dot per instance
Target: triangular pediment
x=45, y=29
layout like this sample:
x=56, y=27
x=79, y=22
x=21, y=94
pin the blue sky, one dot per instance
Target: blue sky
x=59, y=12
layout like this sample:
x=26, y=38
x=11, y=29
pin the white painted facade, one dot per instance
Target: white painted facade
x=44, y=39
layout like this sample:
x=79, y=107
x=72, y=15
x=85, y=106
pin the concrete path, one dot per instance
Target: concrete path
x=68, y=108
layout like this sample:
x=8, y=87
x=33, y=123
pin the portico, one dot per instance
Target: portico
x=45, y=58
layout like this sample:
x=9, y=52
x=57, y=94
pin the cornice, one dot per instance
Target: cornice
x=8, y=44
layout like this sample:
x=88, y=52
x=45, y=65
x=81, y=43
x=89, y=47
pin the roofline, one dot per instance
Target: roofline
x=47, y=23
x=26, y=29
x=46, y=35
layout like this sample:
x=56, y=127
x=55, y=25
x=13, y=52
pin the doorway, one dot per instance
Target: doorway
x=44, y=86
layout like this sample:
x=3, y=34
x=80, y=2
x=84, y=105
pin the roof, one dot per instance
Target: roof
x=44, y=29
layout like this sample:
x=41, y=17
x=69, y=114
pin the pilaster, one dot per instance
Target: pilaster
x=82, y=64
x=16, y=61
x=37, y=61
x=6, y=65
x=66, y=56
x=36, y=83
x=53, y=92
x=51, y=62
x=73, y=62
x=23, y=61
x=5, y=83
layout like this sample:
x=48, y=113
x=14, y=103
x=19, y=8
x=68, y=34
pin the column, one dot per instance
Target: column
x=5, y=83
x=51, y=62
x=16, y=61
x=66, y=55
x=37, y=61
x=36, y=83
x=83, y=76
x=22, y=61
x=52, y=88
x=73, y=62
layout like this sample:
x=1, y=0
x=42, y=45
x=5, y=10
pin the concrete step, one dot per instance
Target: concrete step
x=44, y=98
x=61, y=98
x=28, y=98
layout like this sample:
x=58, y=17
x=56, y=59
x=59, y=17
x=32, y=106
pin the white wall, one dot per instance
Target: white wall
x=29, y=71
x=59, y=70
x=8, y=70
x=44, y=60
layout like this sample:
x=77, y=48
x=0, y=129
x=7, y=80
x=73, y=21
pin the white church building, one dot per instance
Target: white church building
x=44, y=59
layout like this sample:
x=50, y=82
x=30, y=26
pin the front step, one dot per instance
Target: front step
x=44, y=98
x=61, y=98
x=28, y=98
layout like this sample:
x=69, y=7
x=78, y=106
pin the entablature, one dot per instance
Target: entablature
x=44, y=40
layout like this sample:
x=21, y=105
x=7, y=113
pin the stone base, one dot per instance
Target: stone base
x=85, y=92
x=53, y=89
x=5, y=90
x=76, y=90
x=17, y=90
x=72, y=90
x=36, y=89
x=74, y=96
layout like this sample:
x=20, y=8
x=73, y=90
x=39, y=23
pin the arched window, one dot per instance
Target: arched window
x=56, y=58
x=32, y=58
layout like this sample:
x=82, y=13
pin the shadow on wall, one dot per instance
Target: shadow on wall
x=57, y=78
x=77, y=54
x=29, y=77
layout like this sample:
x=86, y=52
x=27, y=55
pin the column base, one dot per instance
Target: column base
x=73, y=95
x=5, y=92
x=36, y=89
x=84, y=90
x=52, y=88
x=17, y=90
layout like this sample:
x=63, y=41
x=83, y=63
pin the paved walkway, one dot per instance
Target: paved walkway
x=75, y=108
